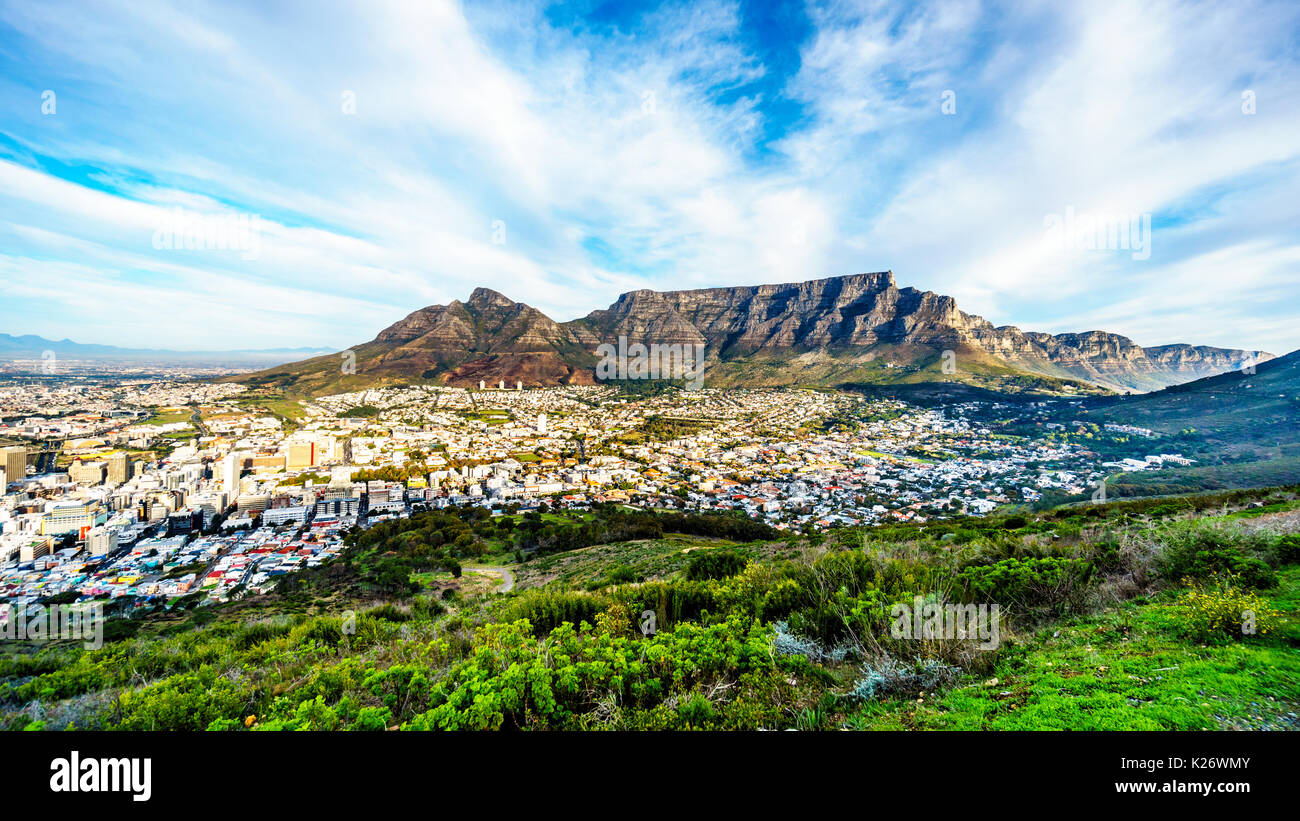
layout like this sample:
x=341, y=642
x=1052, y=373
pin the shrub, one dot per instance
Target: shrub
x=372, y=719
x=791, y=644
x=515, y=680
x=1288, y=549
x=258, y=632
x=388, y=612
x=715, y=564
x=1055, y=583
x=621, y=574
x=546, y=610
x=1202, y=549
x=426, y=608
x=888, y=677
x=326, y=631
x=188, y=701
x=1222, y=608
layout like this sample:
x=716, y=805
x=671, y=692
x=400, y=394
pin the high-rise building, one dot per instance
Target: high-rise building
x=119, y=468
x=541, y=423
x=231, y=468
x=71, y=518
x=15, y=463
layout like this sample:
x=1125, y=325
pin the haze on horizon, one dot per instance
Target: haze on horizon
x=400, y=154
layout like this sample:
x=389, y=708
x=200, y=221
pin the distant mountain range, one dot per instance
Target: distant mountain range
x=855, y=329
x=29, y=346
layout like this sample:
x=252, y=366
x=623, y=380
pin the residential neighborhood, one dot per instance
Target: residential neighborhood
x=161, y=489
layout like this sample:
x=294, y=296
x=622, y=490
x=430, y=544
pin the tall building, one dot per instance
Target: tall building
x=15, y=463
x=231, y=468
x=71, y=518
x=101, y=540
x=541, y=423
x=119, y=468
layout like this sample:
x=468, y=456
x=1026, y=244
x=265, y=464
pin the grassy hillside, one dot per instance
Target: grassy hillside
x=901, y=366
x=893, y=366
x=1232, y=409
x=1143, y=614
x=1243, y=429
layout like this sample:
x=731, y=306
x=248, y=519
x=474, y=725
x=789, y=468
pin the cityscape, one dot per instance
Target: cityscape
x=412, y=395
x=167, y=488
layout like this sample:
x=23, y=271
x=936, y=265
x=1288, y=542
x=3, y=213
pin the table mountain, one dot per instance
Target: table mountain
x=838, y=330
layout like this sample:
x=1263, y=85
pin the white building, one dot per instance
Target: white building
x=101, y=540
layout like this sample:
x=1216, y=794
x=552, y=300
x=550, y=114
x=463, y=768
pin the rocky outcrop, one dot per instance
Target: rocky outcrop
x=864, y=310
x=491, y=337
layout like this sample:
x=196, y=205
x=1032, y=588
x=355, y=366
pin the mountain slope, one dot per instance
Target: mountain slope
x=1242, y=430
x=860, y=328
x=487, y=338
x=1230, y=407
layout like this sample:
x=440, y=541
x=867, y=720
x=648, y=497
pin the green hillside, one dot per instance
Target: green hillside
x=1145, y=614
x=1243, y=429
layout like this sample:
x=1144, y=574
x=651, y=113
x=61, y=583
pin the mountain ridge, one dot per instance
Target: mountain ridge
x=858, y=327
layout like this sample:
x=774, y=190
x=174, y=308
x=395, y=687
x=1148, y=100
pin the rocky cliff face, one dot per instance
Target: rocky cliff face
x=861, y=311
x=855, y=310
x=847, y=318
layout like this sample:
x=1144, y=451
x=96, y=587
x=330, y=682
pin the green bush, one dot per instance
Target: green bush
x=515, y=680
x=1288, y=549
x=546, y=610
x=715, y=564
x=188, y=701
x=1202, y=549
x=1055, y=583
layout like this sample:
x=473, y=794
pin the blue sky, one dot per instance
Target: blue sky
x=565, y=153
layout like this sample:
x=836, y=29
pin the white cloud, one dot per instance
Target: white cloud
x=611, y=163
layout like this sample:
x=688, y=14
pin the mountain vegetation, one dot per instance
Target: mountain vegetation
x=1139, y=614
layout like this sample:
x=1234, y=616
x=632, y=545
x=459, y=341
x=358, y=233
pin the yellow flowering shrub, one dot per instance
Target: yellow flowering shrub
x=1222, y=608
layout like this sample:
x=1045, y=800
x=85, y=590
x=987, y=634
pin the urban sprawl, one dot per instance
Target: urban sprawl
x=166, y=487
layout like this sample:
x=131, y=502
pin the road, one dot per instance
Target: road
x=507, y=578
